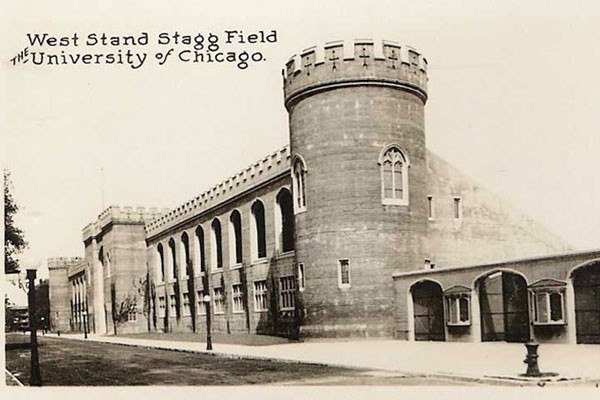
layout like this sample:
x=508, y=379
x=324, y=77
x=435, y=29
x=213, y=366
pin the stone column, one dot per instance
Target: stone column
x=475, y=315
x=73, y=305
x=570, y=312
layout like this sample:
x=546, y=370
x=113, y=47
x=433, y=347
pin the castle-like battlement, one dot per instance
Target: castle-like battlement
x=63, y=262
x=251, y=176
x=124, y=215
x=351, y=63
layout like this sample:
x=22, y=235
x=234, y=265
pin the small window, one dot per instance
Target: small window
x=344, y=274
x=219, y=300
x=161, y=306
x=186, y=304
x=458, y=306
x=457, y=208
x=287, y=290
x=172, y=304
x=260, y=296
x=301, y=280
x=547, y=300
x=237, y=298
x=132, y=314
x=200, y=301
x=430, y=208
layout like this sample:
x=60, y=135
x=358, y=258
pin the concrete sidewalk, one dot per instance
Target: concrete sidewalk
x=473, y=361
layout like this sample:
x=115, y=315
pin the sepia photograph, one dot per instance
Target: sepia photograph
x=388, y=195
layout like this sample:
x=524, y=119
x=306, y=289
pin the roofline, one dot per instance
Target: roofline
x=594, y=252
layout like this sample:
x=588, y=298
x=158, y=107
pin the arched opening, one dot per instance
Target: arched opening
x=503, y=307
x=285, y=221
x=200, y=254
x=235, y=238
x=428, y=311
x=185, y=244
x=161, y=260
x=259, y=242
x=101, y=257
x=586, y=284
x=217, y=249
x=173, y=259
x=107, y=264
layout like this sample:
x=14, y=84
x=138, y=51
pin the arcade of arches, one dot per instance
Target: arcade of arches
x=514, y=303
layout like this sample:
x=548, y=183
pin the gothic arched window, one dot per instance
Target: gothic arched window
x=299, y=184
x=394, y=176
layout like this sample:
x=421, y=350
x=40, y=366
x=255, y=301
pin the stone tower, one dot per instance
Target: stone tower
x=356, y=117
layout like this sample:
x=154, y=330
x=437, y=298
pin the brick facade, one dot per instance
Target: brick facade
x=358, y=246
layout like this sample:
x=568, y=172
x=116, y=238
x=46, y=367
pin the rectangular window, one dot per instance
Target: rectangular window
x=430, y=208
x=200, y=301
x=219, y=300
x=344, y=273
x=287, y=290
x=186, y=304
x=458, y=310
x=548, y=307
x=457, y=208
x=237, y=298
x=301, y=279
x=172, y=305
x=161, y=306
x=260, y=296
x=132, y=314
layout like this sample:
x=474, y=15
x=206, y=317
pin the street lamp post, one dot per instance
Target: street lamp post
x=206, y=300
x=35, y=378
x=84, y=315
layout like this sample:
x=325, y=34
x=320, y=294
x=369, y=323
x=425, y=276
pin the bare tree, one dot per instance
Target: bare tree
x=121, y=309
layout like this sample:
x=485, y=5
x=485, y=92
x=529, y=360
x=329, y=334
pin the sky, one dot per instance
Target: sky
x=513, y=96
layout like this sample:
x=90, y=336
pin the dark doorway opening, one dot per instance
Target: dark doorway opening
x=428, y=306
x=586, y=283
x=503, y=307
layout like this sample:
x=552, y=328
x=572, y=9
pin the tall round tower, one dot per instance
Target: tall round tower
x=356, y=116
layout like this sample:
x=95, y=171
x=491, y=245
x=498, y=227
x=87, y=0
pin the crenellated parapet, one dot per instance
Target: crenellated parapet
x=122, y=215
x=354, y=63
x=63, y=262
x=250, y=177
